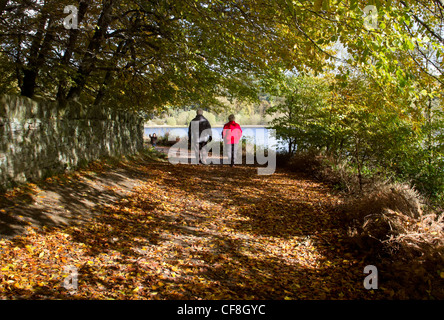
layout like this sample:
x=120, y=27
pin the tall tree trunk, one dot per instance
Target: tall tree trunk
x=429, y=133
x=3, y=4
x=89, y=60
x=67, y=55
x=121, y=50
x=30, y=71
x=18, y=58
x=358, y=162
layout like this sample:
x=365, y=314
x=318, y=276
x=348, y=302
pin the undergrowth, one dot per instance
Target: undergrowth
x=399, y=230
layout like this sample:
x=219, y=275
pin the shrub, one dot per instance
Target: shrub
x=171, y=121
x=182, y=118
x=256, y=119
x=325, y=168
x=392, y=222
x=388, y=221
x=210, y=117
x=240, y=119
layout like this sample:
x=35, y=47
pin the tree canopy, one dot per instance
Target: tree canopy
x=148, y=54
x=141, y=54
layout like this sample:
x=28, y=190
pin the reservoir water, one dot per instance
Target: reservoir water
x=259, y=135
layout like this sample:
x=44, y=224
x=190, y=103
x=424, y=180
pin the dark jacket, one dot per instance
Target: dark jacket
x=203, y=135
x=153, y=139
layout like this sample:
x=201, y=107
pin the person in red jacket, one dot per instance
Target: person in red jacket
x=231, y=135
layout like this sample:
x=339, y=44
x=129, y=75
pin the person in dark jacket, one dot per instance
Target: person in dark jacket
x=153, y=139
x=199, y=134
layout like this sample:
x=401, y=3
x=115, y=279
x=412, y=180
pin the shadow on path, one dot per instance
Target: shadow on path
x=65, y=199
x=162, y=231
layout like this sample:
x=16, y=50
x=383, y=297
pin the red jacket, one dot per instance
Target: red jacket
x=231, y=133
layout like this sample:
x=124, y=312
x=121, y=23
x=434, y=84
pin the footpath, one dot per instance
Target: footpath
x=143, y=229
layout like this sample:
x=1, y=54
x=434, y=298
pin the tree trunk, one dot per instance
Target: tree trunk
x=358, y=163
x=121, y=50
x=31, y=70
x=3, y=4
x=429, y=133
x=89, y=60
x=73, y=36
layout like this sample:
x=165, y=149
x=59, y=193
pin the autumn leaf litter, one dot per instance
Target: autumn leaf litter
x=194, y=232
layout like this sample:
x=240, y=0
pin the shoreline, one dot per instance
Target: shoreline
x=216, y=126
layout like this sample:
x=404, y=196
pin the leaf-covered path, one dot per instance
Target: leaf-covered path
x=193, y=232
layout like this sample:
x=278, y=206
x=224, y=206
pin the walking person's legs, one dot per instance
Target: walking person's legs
x=226, y=153
x=233, y=151
x=228, y=148
x=196, y=153
x=203, y=152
